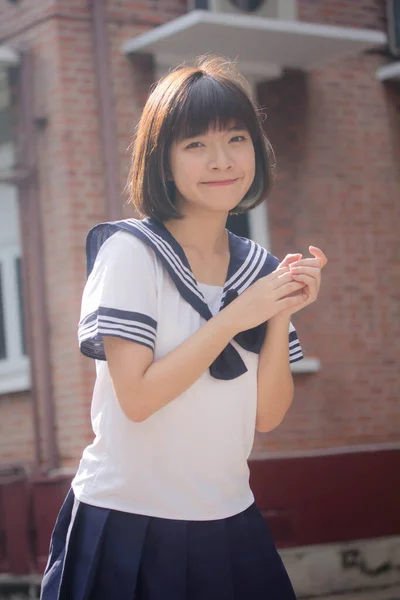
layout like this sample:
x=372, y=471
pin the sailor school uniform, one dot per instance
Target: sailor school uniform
x=163, y=508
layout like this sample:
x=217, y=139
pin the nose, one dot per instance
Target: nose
x=221, y=160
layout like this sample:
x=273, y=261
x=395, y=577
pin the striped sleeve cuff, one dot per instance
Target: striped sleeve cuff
x=295, y=351
x=132, y=326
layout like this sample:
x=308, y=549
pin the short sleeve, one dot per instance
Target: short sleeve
x=295, y=350
x=120, y=296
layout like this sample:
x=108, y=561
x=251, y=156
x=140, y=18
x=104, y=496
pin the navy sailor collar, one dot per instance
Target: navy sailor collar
x=248, y=262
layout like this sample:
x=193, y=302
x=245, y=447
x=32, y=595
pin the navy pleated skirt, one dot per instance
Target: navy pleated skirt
x=102, y=554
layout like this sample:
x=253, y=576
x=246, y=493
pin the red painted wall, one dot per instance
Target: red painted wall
x=305, y=501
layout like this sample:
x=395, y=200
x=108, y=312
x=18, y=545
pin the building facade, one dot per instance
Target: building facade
x=74, y=76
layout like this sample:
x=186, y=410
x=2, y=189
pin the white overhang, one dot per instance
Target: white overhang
x=8, y=57
x=262, y=46
x=391, y=71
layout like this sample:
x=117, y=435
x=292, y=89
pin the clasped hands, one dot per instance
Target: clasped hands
x=306, y=271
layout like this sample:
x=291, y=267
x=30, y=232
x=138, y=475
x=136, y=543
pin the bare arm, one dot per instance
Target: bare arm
x=143, y=386
x=275, y=386
x=275, y=381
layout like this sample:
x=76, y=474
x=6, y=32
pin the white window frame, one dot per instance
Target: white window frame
x=15, y=374
x=15, y=368
x=258, y=225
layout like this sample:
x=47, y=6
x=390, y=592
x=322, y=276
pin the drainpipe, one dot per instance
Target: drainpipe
x=106, y=108
x=34, y=276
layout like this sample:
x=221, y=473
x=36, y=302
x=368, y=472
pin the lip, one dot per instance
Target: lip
x=220, y=182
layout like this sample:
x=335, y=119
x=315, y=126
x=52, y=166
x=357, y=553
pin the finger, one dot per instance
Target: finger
x=279, y=270
x=318, y=253
x=290, y=258
x=312, y=271
x=282, y=279
x=309, y=281
x=274, y=275
x=289, y=288
x=312, y=262
x=292, y=301
x=277, y=276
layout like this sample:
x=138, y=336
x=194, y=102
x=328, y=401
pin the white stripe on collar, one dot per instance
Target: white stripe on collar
x=165, y=249
x=243, y=267
x=249, y=270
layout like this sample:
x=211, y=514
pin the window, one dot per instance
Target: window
x=14, y=362
x=253, y=225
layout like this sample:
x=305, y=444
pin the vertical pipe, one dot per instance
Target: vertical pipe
x=34, y=273
x=106, y=108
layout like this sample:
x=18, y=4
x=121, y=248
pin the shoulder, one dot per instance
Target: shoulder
x=122, y=242
x=272, y=260
x=253, y=252
x=109, y=243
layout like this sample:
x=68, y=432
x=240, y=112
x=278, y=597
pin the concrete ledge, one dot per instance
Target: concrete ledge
x=345, y=567
x=387, y=593
x=307, y=365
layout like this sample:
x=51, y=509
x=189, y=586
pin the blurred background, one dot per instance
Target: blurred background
x=74, y=76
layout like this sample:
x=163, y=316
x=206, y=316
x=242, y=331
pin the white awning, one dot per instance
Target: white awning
x=263, y=46
x=391, y=71
x=8, y=57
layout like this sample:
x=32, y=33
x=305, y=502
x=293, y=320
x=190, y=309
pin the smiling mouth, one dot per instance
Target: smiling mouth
x=220, y=182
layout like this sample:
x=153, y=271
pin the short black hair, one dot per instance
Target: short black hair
x=186, y=103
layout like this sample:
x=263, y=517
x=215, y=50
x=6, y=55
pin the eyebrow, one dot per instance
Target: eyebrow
x=229, y=129
x=237, y=128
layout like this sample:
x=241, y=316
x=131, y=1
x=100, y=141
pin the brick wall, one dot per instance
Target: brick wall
x=71, y=195
x=334, y=132
x=368, y=14
x=16, y=429
x=336, y=136
x=16, y=410
x=21, y=17
x=72, y=187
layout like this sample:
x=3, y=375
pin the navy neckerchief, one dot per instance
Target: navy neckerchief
x=248, y=262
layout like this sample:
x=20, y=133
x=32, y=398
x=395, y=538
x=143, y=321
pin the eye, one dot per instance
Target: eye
x=194, y=145
x=238, y=138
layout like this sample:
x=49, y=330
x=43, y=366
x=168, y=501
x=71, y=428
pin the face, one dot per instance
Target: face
x=213, y=171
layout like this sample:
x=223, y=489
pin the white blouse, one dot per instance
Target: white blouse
x=189, y=459
x=212, y=295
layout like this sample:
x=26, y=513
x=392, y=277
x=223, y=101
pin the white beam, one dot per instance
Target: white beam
x=391, y=71
x=261, y=45
x=8, y=57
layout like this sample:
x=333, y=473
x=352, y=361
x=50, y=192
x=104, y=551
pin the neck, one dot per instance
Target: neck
x=203, y=232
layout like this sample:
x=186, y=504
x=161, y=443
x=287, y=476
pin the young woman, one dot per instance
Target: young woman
x=191, y=330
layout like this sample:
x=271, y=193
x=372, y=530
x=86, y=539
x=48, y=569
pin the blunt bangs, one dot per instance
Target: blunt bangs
x=186, y=103
x=211, y=104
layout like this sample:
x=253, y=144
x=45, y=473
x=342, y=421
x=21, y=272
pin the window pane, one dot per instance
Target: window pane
x=3, y=352
x=239, y=224
x=21, y=306
x=396, y=11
